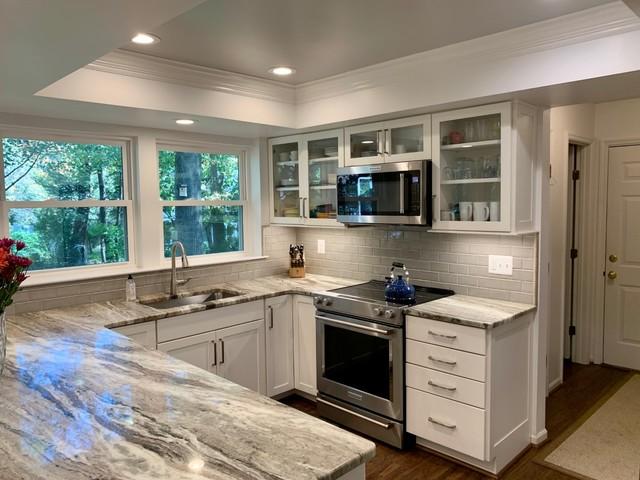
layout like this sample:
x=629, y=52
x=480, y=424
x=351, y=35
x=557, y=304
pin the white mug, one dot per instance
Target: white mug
x=466, y=211
x=494, y=211
x=293, y=156
x=447, y=215
x=480, y=211
x=284, y=156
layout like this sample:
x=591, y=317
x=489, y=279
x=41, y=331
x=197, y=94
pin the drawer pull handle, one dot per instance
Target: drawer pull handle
x=451, y=426
x=443, y=387
x=442, y=335
x=441, y=360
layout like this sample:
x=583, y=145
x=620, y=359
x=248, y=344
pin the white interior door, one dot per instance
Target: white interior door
x=622, y=292
x=241, y=355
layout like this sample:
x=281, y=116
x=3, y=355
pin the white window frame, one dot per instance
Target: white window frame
x=127, y=201
x=246, y=230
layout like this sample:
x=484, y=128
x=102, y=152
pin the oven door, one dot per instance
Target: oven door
x=361, y=362
x=392, y=193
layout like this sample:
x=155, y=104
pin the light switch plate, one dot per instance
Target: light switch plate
x=321, y=249
x=501, y=264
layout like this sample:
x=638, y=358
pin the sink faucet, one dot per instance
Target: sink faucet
x=175, y=283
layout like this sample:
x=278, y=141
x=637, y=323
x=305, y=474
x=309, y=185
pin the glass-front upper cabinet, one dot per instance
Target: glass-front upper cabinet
x=401, y=140
x=303, y=175
x=472, y=168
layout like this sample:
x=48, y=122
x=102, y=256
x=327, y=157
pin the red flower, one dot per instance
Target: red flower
x=6, y=243
x=20, y=245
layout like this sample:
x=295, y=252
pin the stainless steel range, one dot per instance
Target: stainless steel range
x=360, y=358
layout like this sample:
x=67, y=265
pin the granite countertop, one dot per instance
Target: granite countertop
x=78, y=401
x=471, y=311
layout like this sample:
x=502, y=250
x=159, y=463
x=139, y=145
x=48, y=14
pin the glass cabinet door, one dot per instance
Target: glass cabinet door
x=470, y=155
x=408, y=139
x=365, y=144
x=286, y=181
x=323, y=160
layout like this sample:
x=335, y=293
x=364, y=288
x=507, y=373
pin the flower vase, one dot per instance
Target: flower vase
x=3, y=340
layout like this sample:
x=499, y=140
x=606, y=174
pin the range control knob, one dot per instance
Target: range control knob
x=377, y=311
x=326, y=302
x=388, y=314
x=317, y=300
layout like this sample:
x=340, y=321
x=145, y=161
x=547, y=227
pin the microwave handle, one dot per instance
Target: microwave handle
x=402, y=193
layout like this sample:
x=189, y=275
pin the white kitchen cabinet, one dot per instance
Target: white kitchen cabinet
x=467, y=390
x=279, y=328
x=302, y=172
x=482, y=156
x=198, y=350
x=401, y=140
x=241, y=355
x=142, y=333
x=304, y=331
x=228, y=341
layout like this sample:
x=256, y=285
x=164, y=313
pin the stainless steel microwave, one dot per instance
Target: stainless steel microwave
x=388, y=193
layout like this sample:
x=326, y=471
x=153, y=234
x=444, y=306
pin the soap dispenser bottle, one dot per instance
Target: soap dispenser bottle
x=130, y=289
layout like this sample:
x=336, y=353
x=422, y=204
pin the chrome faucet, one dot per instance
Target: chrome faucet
x=175, y=283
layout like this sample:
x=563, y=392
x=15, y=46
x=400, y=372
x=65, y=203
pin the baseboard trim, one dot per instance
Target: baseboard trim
x=540, y=437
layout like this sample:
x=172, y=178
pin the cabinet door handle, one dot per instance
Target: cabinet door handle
x=304, y=207
x=301, y=206
x=222, y=352
x=443, y=387
x=442, y=335
x=270, y=316
x=451, y=426
x=387, y=141
x=442, y=360
x=380, y=147
x=215, y=353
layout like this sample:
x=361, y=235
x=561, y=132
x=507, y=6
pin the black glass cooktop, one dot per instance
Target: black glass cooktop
x=373, y=290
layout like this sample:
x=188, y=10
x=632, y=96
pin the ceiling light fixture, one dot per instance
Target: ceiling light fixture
x=185, y=121
x=282, y=71
x=366, y=141
x=145, y=39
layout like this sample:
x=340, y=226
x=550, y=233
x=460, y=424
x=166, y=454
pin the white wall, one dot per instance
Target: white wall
x=618, y=120
x=574, y=122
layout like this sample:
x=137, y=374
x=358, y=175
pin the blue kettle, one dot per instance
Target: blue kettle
x=398, y=288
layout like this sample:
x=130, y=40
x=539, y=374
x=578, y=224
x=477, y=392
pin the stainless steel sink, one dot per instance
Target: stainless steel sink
x=217, y=294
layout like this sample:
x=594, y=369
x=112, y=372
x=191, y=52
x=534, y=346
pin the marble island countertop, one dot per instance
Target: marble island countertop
x=78, y=401
x=471, y=311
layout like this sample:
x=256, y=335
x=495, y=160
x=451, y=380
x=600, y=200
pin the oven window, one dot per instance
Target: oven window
x=358, y=361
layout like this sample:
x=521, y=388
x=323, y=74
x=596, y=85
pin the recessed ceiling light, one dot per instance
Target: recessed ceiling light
x=145, y=39
x=185, y=121
x=367, y=141
x=282, y=71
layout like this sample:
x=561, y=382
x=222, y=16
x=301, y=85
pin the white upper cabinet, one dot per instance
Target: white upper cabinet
x=482, y=156
x=401, y=140
x=303, y=178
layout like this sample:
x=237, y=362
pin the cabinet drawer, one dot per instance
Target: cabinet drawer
x=447, y=423
x=205, y=321
x=445, y=385
x=468, y=365
x=446, y=334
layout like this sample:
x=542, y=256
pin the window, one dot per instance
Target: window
x=203, y=200
x=68, y=201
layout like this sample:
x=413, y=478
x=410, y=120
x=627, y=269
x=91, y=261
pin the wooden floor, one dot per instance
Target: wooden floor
x=583, y=386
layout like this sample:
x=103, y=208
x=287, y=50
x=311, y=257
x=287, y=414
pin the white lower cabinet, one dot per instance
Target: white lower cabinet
x=142, y=333
x=467, y=390
x=228, y=341
x=241, y=355
x=198, y=350
x=279, y=328
x=304, y=332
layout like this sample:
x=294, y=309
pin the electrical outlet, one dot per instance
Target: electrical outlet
x=501, y=264
x=321, y=249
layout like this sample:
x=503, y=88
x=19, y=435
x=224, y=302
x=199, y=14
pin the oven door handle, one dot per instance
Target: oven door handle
x=386, y=426
x=355, y=325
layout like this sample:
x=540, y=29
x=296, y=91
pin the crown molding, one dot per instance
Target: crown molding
x=148, y=67
x=612, y=19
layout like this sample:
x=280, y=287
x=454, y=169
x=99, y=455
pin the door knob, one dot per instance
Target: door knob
x=613, y=258
x=612, y=275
